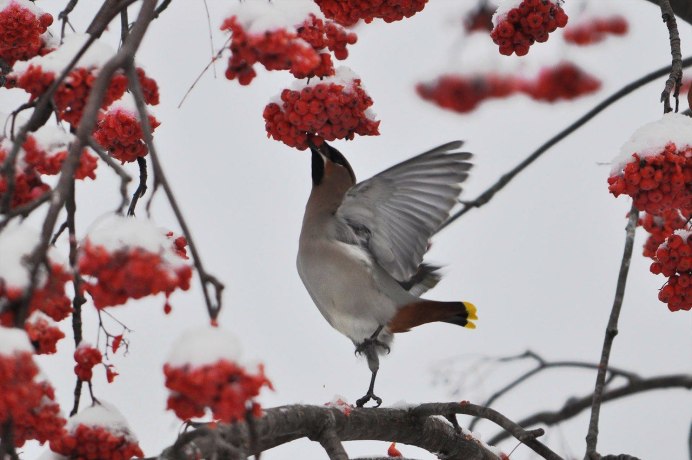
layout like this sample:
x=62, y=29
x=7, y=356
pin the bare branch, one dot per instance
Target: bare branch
x=681, y=8
x=125, y=178
x=506, y=178
x=141, y=188
x=575, y=406
x=611, y=332
x=675, y=79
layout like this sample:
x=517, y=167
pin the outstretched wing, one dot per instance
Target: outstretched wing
x=395, y=213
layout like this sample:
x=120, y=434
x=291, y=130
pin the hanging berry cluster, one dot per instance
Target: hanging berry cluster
x=22, y=25
x=203, y=373
x=333, y=109
x=129, y=259
x=43, y=333
x=518, y=24
x=301, y=48
x=594, y=30
x=97, y=433
x=86, y=358
x=26, y=401
x=463, y=94
x=655, y=169
x=347, y=13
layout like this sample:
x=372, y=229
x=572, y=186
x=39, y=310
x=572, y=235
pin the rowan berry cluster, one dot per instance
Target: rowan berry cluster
x=25, y=401
x=224, y=387
x=327, y=111
x=299, y=49
x=349, y=12
x=119, y=131
x=516, y=29
x=674, y=260
x=464, y=93
x=131, y=272
x=97, y=433
x=86, y=358
x=565, y=81
x=657, y=182
x=43, y=333
x=661, y=227
x=21, y=27
x=595, y=30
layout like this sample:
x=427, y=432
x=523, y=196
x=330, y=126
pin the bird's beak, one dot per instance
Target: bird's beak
x=321, y=150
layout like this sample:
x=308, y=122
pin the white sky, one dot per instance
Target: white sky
x=540, y=261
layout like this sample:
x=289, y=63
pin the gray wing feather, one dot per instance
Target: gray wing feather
x=395, y=213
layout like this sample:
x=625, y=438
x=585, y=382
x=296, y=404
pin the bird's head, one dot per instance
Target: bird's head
x=329, y=165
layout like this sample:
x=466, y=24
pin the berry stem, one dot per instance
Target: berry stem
x=611, y=332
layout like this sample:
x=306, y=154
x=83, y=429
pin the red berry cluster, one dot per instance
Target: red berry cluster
x=28, y=186
x=595, y=30
x=129, y=273
x=150, y=89
x=531, y=21
x=674, y=260
x=392, y=451
x=463, y=93
x=43, y=333
x=327, y=110
x=27, y=403
x=349, y=12
x=657, y=182
x=86, y=358
x=298, y=50
x=49, y=299
x=224, y=387
x=661, y=227
x=120, y=132
x=564, y=81
x=179, y=247
x=480, y=19
x=20, y=31
x=89, y=442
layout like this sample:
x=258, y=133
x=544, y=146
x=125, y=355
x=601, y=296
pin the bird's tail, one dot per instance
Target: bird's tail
x=428, y=311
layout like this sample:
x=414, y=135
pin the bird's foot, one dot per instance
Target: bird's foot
x=369, y=396
x=370, y=344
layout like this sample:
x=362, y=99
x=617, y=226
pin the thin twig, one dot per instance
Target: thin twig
x=506, y=178
x=125, y=178
x=206, y=279
x=675, y=79
x=211, y=37
x=611, y=332
x=141, y=188
x=201, y=74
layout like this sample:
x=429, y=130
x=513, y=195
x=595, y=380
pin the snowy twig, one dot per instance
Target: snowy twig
x=541, y=365
x=575, y=406
x=206, y=279
x=611, y=332
x=675, y=79
x=141, y=188
x=488, y=194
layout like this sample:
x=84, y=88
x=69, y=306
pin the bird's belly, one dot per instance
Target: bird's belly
x=342, y=282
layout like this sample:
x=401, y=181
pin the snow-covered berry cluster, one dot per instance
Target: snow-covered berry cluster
x=299, y=45
x=518, y=24
x=564, y=81
x=674, y=260
x=127, y=258
x=349, y=12
x=463, y=94
x=25, y=401
x=99, y=432
x=119, y=131
x=43, y=333
x=335, y=108
x=203, y=373
x=595, y=29
x=21, y=26
x=658, y=181
x=86, y=358
x=654, y=167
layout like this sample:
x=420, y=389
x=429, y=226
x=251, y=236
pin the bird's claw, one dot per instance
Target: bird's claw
x=368, y=343
x=369, y=396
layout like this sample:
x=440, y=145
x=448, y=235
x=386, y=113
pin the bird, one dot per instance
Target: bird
x=361, y=247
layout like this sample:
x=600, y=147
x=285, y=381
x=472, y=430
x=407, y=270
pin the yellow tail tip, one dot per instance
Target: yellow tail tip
x=470, y=325
x=471, y=309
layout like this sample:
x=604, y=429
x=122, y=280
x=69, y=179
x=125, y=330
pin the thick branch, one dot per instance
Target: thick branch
x=506, y=178
x=675, y=79
x=611, y=332
x=681, y=8
x=576, y=405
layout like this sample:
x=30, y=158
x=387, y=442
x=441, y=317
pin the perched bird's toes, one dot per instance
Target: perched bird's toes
x=369, y=396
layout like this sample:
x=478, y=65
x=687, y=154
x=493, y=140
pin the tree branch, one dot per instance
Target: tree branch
x=681, y=8
x=575, y=406
x=506, y=178
x=611, y=332
x=675, y=79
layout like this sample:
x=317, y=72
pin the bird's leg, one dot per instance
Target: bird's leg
x=368, y=348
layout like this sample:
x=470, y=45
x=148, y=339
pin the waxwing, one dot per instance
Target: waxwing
x=361, y=246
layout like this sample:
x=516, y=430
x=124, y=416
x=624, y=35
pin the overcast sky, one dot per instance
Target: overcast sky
x=540, y=261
